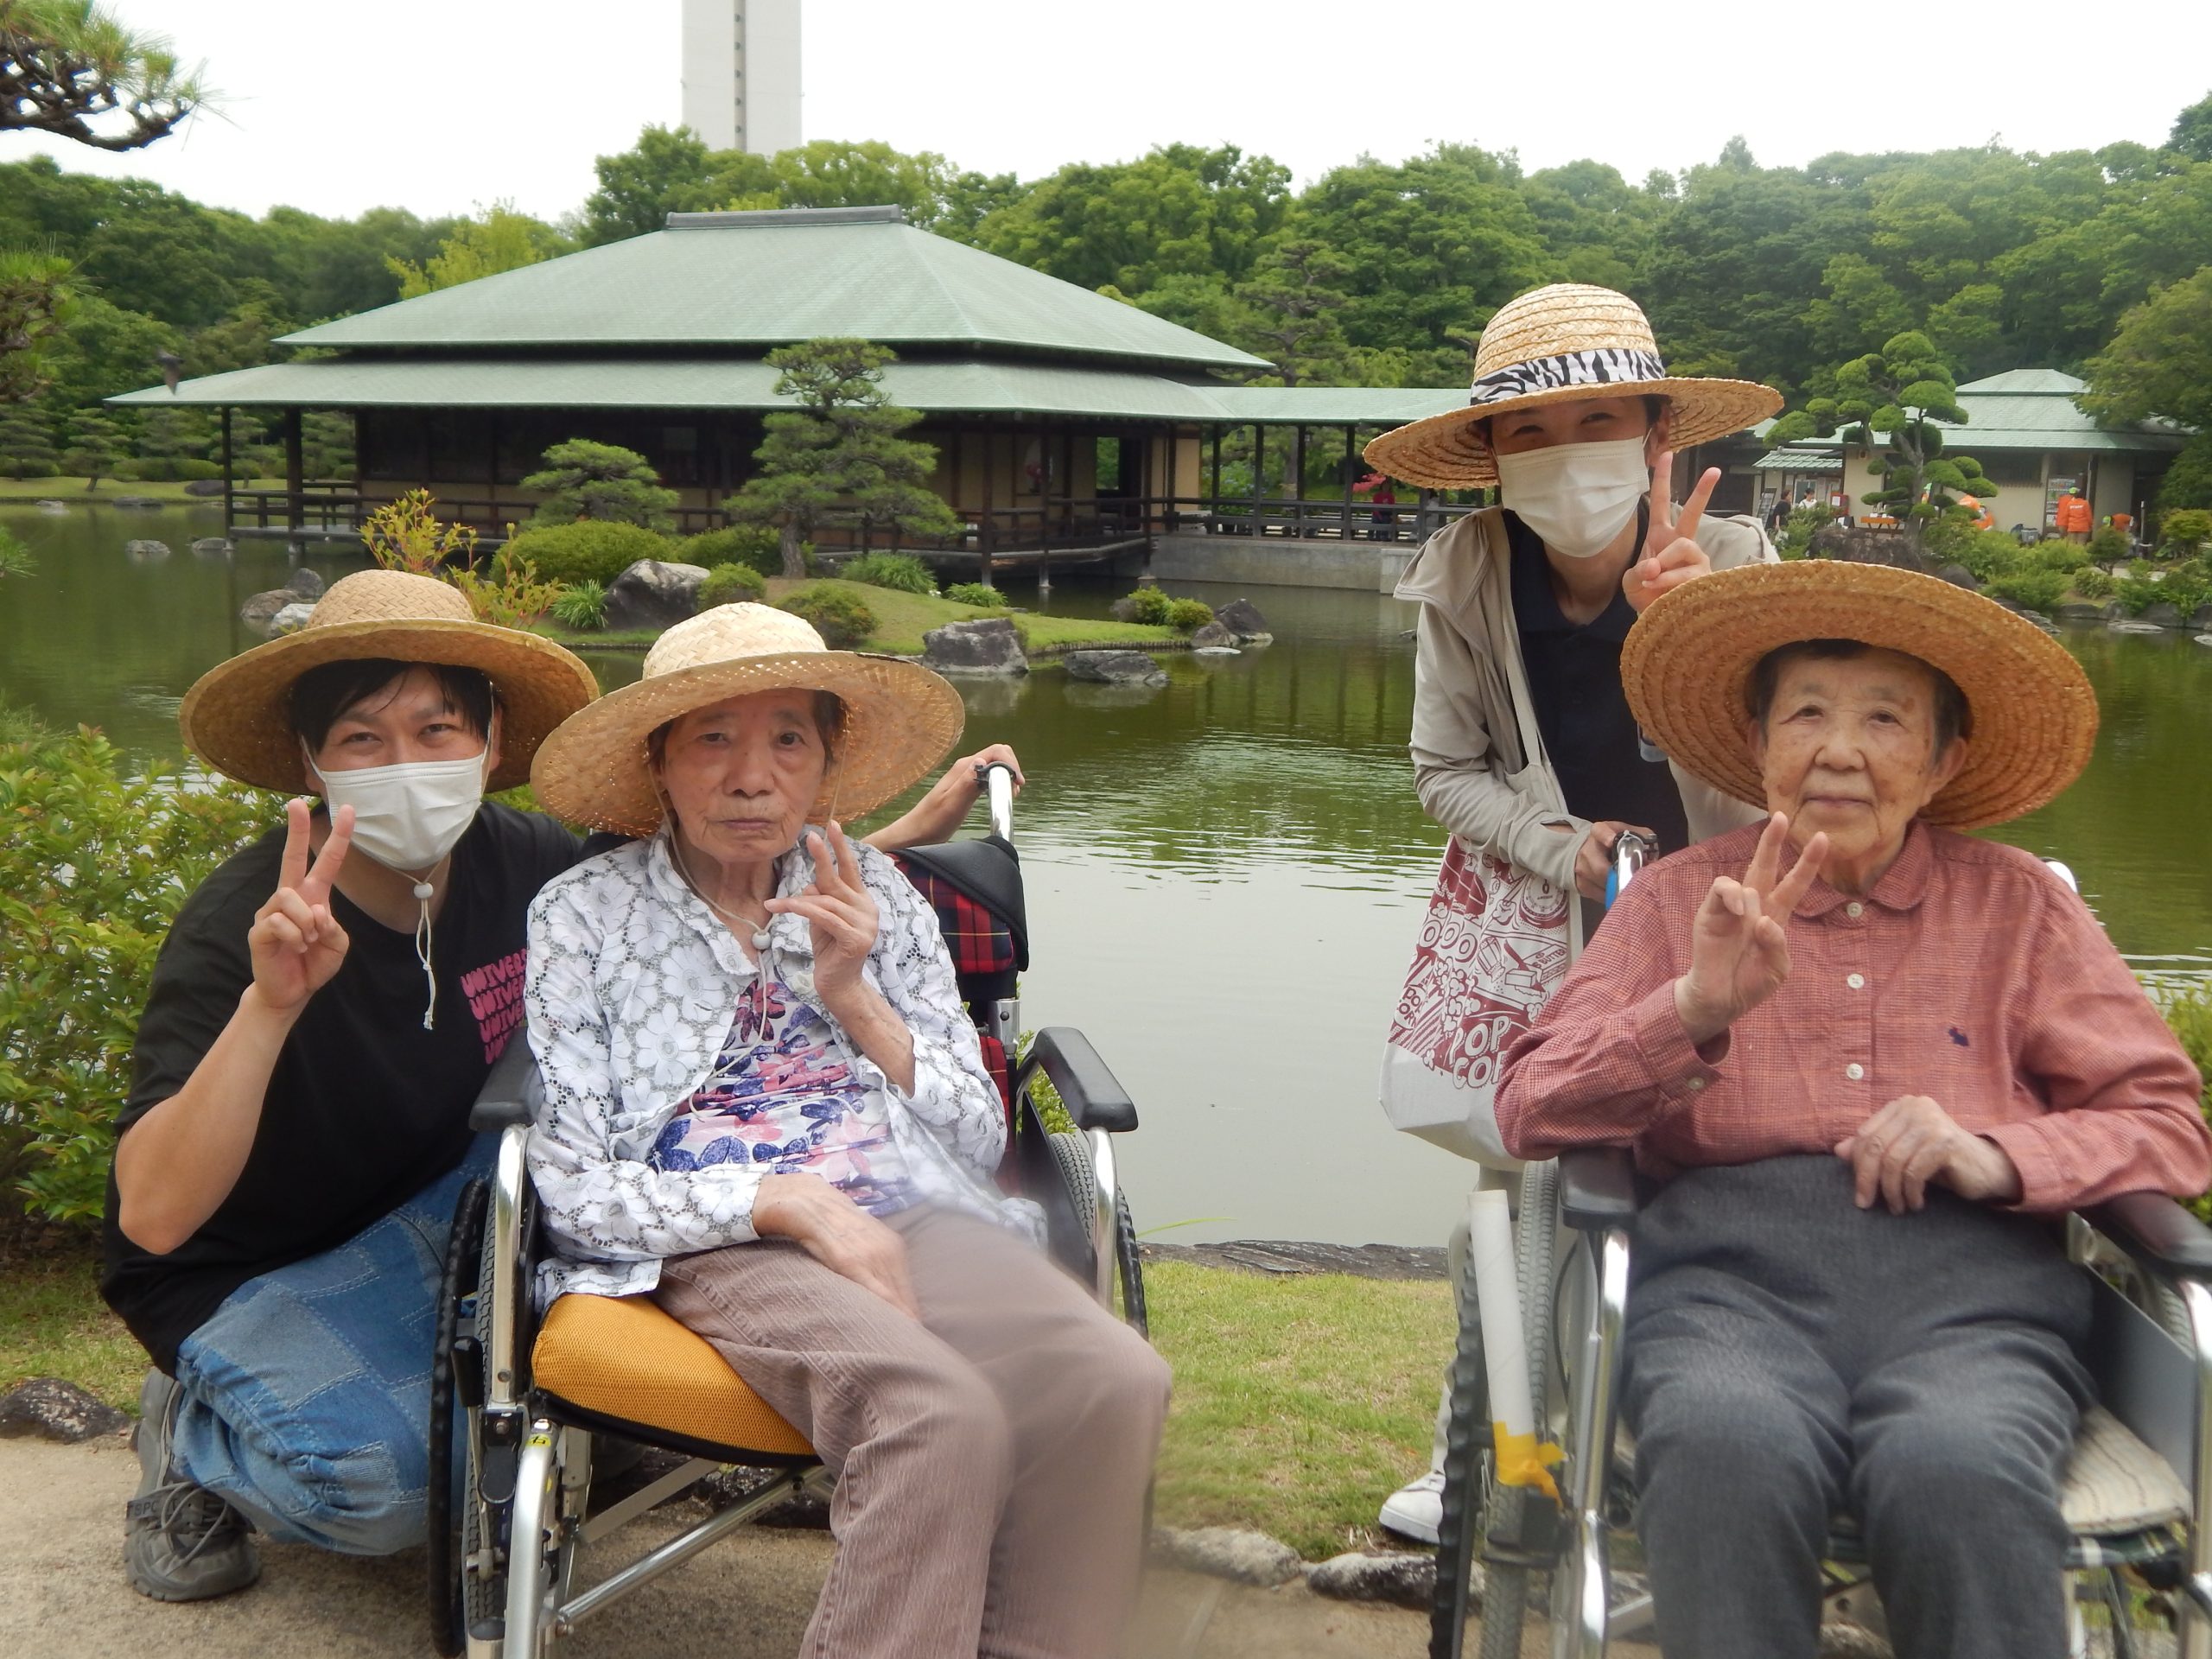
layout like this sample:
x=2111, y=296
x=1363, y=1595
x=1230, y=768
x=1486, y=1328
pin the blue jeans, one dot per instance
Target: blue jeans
x=306, y=1394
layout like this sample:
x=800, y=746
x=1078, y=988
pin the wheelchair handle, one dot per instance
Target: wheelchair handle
x=998, y=787
x=1631, y=852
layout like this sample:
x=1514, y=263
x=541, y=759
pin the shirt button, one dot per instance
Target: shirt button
x=1854, y=1071
x=1857, y=981
x=1854, y=909
x=1695, y=1084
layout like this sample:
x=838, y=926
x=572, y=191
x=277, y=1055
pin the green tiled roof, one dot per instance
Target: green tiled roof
x=757, y=280
x=2034, y=409
x=1336, y=405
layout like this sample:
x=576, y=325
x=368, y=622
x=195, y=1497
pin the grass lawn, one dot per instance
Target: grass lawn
x=903, y=619
x=1300, y=1403
x=73, y=490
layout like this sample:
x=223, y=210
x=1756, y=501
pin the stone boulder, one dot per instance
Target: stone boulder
x=2165, y=615
x=306, y=583
x=204, y=486
x=2080, y=610
x=982, y=645
x=1123, y=609
x=1215, y=633
x=52, y=505
x=145, y=503
x=1403, y=1581
x=1115, y=668
x=290, y=619
x=2132, y=625
x=1241, y=618
x=259, y=608
x=2202, y=620
x=209, y=546
x=59, y=1411
x=145, y=551
x=1227, y=1552
x=654, y=593
x=1959, y=576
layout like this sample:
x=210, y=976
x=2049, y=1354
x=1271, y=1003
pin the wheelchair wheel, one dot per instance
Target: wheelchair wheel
x=1519, y=1529
x=1129, y=1263
x=1466, y=1483
x=457, y=1280
x=1071, y=1158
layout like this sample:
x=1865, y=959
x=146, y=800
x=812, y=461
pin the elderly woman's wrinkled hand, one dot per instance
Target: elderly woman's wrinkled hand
x=840, y=911
x=1912, y=1142
x=1740, y=947
x=837, y=1233
x=1671, y=554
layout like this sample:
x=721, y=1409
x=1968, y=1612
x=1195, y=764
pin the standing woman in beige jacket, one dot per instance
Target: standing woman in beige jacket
x=1524, y=746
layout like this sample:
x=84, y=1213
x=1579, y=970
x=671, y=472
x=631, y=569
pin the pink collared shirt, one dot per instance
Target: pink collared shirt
x=1969, y=974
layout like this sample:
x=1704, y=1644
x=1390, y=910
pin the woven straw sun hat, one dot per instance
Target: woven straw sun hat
x=237, y=719
x=1552, y=345
x=901, y=719
x=2032, y=714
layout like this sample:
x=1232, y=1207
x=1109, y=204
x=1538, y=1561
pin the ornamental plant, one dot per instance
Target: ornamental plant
x=582, y=606
x=839, y=616
x=896, y=571
x=604, y=481
x=591, y=551
x=731, y=584
x=755, y=546
x=1188, y=615
x=980, y=594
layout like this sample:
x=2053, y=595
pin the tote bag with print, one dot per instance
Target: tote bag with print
x=1493, y=948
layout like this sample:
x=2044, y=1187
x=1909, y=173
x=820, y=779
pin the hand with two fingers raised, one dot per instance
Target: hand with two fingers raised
x=1670, y=556
x=295, y=943
x=1912, y=1142
x=1739, y=943
x=840, y=911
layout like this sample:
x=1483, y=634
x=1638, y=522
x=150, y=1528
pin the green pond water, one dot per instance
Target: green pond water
x=1224, y=876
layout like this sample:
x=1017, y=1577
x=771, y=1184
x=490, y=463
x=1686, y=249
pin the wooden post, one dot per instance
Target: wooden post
x=1259, y=474
x=230, y=515
x=1213, y=501
x=983, y=529
x=1352, y=463
x=1298, y=477
x=295, y=483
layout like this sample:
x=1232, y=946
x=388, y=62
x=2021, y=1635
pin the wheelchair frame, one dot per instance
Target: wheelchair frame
x=2151, y=1358
x=528, y=1454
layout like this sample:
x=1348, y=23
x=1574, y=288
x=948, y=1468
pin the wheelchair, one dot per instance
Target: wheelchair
x=2137, y=1492
x=520, y=1401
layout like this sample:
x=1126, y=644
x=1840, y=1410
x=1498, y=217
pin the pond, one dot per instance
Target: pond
x=1225, y=877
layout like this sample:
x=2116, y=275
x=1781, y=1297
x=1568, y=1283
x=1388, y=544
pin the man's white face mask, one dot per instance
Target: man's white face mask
x=408, y=816
x=1577, y=497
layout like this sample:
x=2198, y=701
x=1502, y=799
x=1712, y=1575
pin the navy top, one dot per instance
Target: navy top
x=1582, y=714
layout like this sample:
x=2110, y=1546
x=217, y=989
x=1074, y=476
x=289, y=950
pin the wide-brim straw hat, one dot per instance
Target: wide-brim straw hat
x=1552, y=345
x=901, y=719
x=2032, y=714
x=238, y=717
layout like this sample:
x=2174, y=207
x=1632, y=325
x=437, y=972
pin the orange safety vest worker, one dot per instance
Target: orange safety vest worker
x=1983, y=519
x=2073, y=515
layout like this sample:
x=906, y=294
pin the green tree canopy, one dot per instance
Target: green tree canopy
x=95, y=443
x=2192, y=133
x=600, y=480
x=839, y=456
x=26, y=443
x=497, y=239
x=36, y=302
x=1897, y=395
x=71, y=68
x=2159, y=363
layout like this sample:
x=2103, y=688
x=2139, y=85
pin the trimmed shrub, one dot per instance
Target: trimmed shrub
x=160, y=469
x=1188, y=615
x=728, y=584
x=2093, y=584
x=2065, y=556
x=755, y=546
x=1150, y=606
x=980, y=594
x=581, y=607
x=2185, y=530
x=896, y=571
x=589, y=550
x=1990, y=554
x=842, y=618
x=2108, y=546
x=2036, y=590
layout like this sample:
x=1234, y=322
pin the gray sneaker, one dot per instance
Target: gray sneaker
x=181, y=1542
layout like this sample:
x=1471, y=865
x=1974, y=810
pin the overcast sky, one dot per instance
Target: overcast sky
x=438, y=106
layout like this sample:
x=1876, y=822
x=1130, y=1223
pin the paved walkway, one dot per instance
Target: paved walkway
x=62, y=1594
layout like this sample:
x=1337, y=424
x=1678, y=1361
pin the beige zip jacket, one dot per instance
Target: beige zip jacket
x=1478, y=761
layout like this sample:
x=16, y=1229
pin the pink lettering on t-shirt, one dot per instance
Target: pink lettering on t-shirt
x=495, y=994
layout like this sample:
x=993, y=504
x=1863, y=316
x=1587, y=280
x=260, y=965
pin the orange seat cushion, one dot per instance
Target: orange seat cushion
x=622, y=1356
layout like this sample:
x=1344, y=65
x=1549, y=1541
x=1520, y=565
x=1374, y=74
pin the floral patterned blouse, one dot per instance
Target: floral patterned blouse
x=634, y=989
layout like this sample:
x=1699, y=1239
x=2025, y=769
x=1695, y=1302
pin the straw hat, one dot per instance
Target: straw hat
x=1550, y=346
x=236, y=716
x=899, y=718
x=1687, y=667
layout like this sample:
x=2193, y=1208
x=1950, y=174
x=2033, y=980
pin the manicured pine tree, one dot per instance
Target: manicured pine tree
x=600, y=480
x=95, y=445
x=25, y=443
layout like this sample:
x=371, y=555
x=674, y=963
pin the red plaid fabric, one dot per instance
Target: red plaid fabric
x=979, y=942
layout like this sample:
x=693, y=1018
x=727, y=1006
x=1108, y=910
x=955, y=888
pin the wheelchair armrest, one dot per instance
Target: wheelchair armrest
x=1093, y=1095
x=2154, y=1227
x=511, y=1092
x=1597, y=1187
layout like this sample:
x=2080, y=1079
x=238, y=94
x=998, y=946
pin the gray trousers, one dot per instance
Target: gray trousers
x=1789, y=1356
x=991, y=1461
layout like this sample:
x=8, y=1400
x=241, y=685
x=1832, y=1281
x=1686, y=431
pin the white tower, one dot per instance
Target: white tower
x=741, y=73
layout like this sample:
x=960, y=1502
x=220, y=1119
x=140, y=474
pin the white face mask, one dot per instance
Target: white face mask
x=1577, y=497
x=408, y=816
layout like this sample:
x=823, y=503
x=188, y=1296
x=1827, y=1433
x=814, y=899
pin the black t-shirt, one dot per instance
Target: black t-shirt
x=365, y=1107
x=1574, y=679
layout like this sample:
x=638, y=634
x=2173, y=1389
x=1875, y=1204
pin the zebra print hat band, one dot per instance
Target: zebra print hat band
x=1605, y=366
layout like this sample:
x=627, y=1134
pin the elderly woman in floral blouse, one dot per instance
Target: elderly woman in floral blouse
x=766, y=1108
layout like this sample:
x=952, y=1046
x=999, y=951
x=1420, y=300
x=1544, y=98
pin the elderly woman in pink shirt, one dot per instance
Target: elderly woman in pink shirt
x=1871, y=1060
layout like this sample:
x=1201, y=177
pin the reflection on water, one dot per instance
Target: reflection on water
x=1225, y=876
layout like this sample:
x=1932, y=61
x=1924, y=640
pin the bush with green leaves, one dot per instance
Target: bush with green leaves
x=2034, y=590
x=897, y=571
x=752, y=545
x=1989, y=554
x=15, y=559
x=589, y=550
x=2068, y=557
x=2093, y=583
x=98, y=854
x=2189, y=1015
x=980, y=594
x=170, y=469
x=582, y=606
x=1188, y=615
x=841, y=617
x=1796, y=539
x=1149, y=605
x=27, y=444
x=2185, y=530
x=2185, y=588
x=731, y=584
x=2107, y=546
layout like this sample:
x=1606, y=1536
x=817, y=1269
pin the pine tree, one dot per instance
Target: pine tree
x=95, y=446
x=327, y=439
x=600, y=480
x=25, y=443
x=168, y=436
x=839, y=455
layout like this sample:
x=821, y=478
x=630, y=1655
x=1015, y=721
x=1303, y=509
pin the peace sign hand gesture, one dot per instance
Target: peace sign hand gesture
x=1671, y=555
x=840, y=911
x=1740, y=948
x=295, y=943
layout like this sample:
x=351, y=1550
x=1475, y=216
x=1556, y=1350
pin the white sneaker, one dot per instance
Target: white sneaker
x=1415, y=1510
